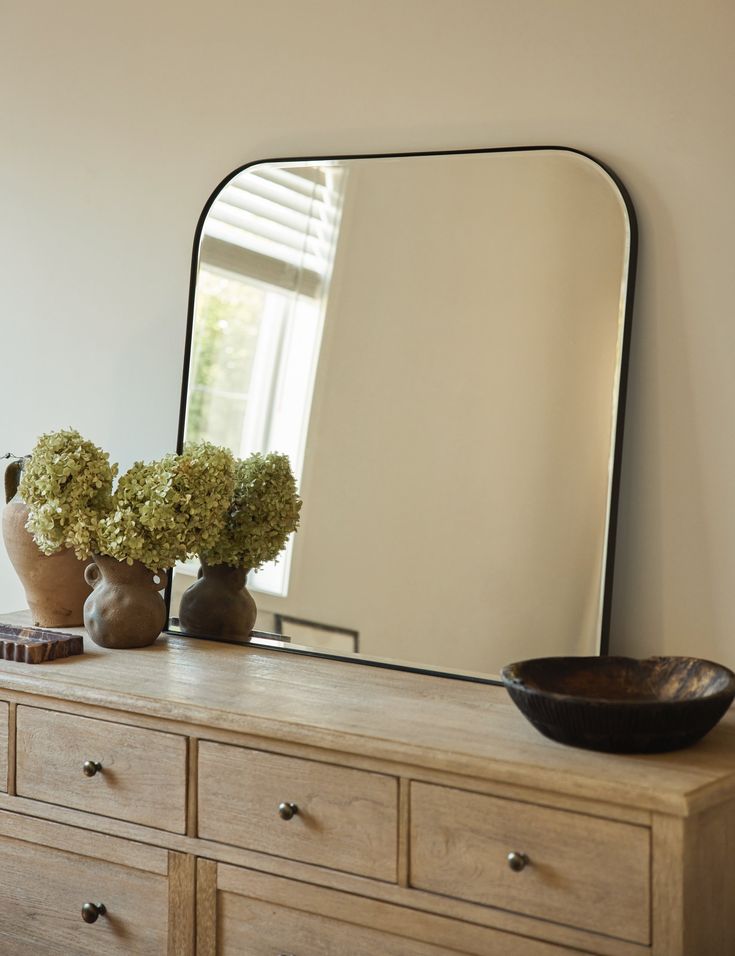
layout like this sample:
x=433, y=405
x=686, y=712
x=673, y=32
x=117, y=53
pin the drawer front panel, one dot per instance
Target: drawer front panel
x=581, y=871
x=42, y=892
x=345, y=819
x=263, y=929
x=142, y=777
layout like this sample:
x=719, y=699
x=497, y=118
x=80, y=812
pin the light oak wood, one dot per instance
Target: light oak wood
x=344, y=758
x=380, y=713
x=348, y=883
x=181, y=904
x=10, y=768
x=627, y=835
x=584, y=872
x=404, y=825
x=667, y=890
x=42, y=891
x=348, y=925
x=694, y=876
x=139, y=856
x=206, y=908
x=143, y=775
x=262, y=929
x=6, y=775
x=192, y=765
x=346, y=819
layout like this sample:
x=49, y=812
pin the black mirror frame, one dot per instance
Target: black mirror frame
x=270, y=641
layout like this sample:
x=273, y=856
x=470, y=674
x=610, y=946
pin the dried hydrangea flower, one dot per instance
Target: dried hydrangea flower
x=167, y=510
x=263, y=511
x=67, y=485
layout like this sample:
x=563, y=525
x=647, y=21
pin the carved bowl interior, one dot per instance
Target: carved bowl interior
x=619, y=704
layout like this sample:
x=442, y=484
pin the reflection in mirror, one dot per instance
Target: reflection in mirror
x=437, y=342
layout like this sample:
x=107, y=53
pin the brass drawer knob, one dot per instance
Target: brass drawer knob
x=287, y=811
x=517, y=861
x=92, y=911
x=91, y=767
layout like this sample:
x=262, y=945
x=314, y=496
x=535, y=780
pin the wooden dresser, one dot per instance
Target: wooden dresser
x=200, y=798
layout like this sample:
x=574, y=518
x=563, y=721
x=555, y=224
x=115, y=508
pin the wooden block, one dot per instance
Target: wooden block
x=34, y=645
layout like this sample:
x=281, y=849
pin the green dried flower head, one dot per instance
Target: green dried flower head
x=263, y=511
x=67, y=484
x=167, y=510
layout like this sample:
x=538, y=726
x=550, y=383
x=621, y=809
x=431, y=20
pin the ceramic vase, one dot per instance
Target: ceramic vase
x=125, y=608
x=54, y=584
x=218, y=604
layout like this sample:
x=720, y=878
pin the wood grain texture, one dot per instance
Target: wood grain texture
x=192, y=770
x=452, y=726
x=584, y=872
x=357, y=760
x=143, y=776
x=463, y=740
x=41, y=895
x=84, y=842
x=709, y=882
x=262, y=929
x=206, y=908
x=9, y=735
x=303, y=917
x=181, y=904
x=346, y=820
x=694, y=884
x=36, y=645
x=449, y=907
x=404, y=828
x=667, y=886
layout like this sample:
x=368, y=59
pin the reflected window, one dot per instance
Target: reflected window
x=266, y=258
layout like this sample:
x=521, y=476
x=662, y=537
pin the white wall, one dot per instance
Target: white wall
x=118, y=119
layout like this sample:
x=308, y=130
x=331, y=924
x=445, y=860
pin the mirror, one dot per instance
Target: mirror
x=438, y=342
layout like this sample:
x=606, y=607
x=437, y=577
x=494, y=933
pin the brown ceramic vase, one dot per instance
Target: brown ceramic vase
x=124, y=609
x=54, y=584
x=218, y=604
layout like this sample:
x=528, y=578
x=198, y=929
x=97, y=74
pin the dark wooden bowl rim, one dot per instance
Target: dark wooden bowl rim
x=511, y=675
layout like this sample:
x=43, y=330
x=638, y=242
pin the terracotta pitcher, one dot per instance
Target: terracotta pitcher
x=218, y=604
x=54, y=584
x=124, y=609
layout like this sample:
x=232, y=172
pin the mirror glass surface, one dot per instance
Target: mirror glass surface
x=436, y=341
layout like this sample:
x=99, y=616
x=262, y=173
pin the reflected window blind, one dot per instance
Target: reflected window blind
x=277, y=225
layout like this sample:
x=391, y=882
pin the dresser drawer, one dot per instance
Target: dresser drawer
x=344, y=819
x=264, y=929
x=43, y=890
x=142, y=777
x=582, y=871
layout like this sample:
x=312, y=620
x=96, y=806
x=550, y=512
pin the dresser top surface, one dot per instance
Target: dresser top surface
x=439, y=723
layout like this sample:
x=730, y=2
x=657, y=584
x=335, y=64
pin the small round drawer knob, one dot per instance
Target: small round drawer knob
x=518, y=861
x=91, y=767
x=92, y=911
x=287, y=811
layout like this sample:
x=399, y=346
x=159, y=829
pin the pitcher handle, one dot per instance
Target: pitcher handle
x=92, y=575
x=12, y=479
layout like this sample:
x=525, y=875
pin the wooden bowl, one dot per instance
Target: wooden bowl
x=619, y=704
